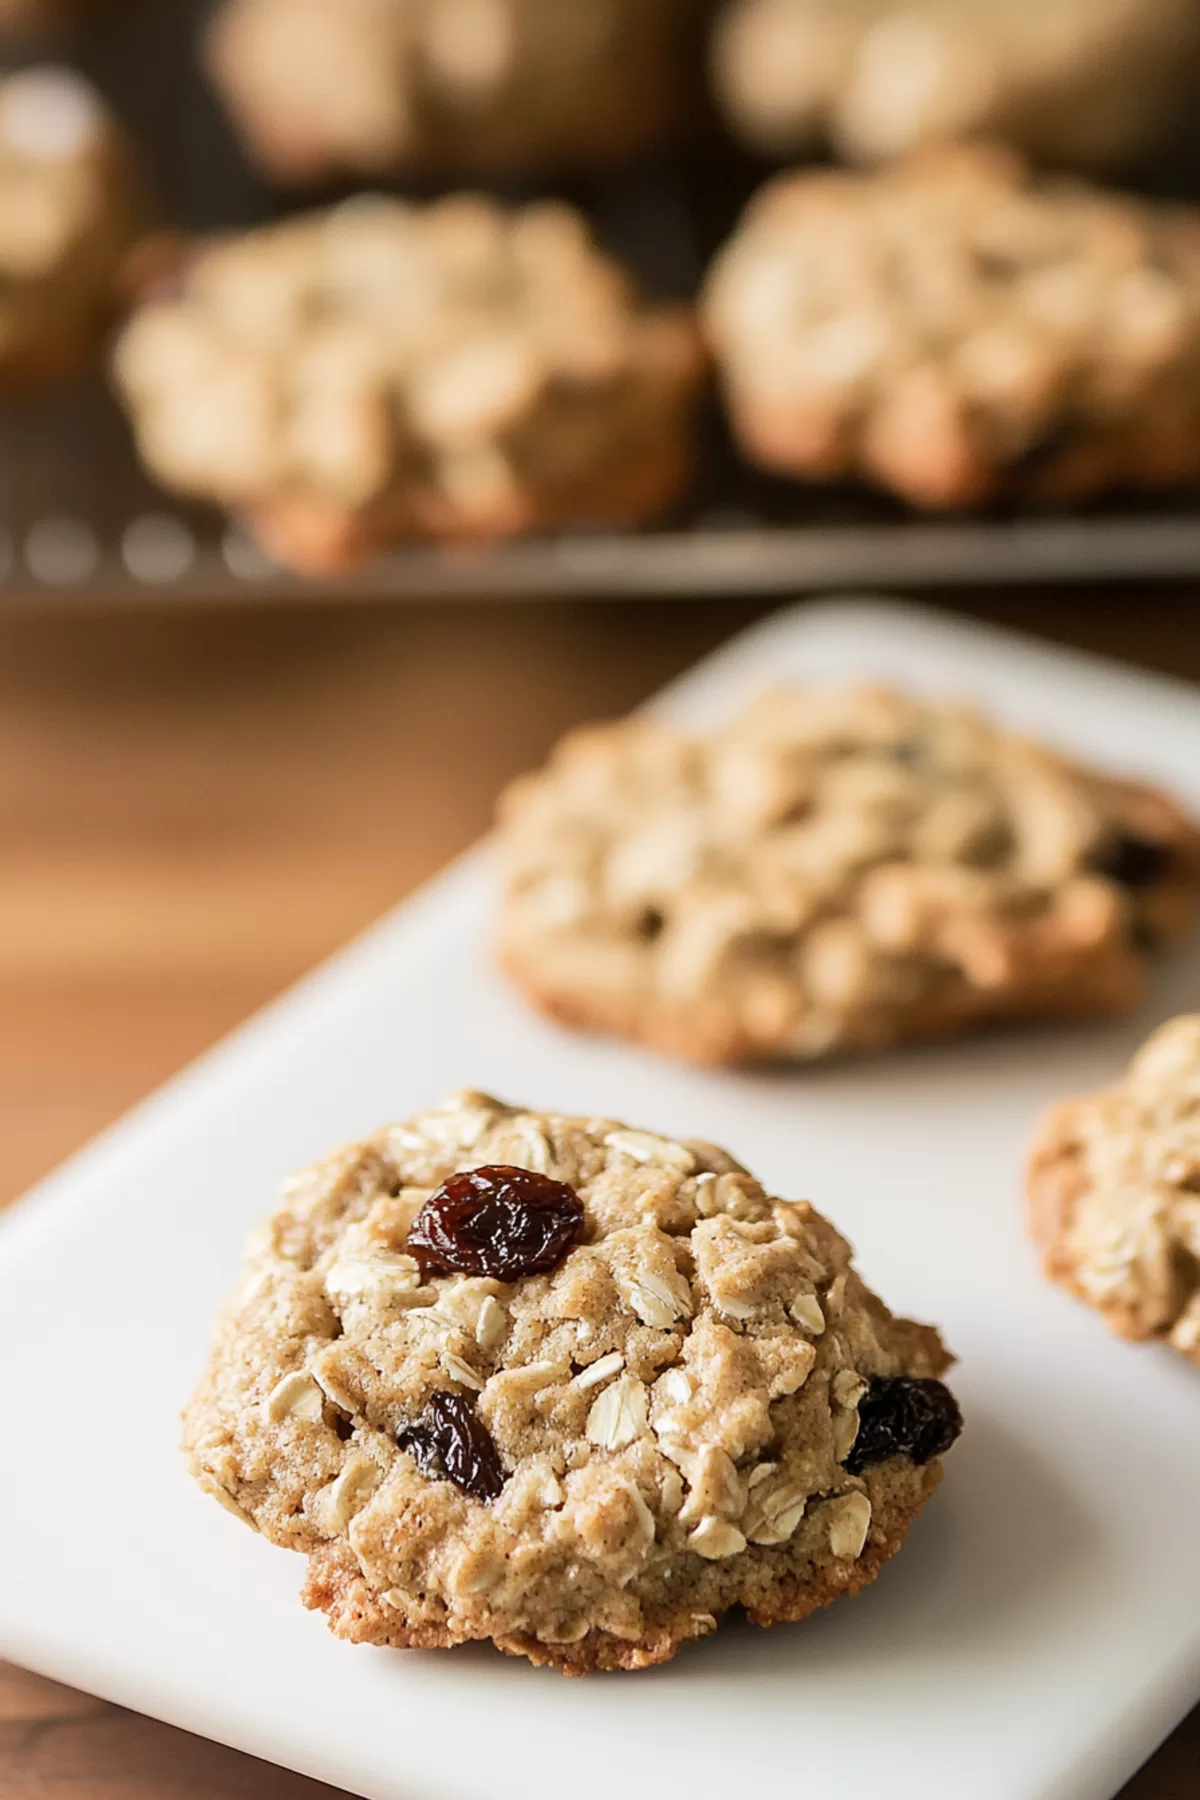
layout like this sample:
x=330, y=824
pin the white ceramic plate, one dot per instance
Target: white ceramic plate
x=1036, y=1638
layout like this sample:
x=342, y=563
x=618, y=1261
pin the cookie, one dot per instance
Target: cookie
x=386, y=86
x=836, y=870
x=566, y=1386
x=381, y=372
x=71, y=208
x=1114, y=1194
x=958, y=331
x=1089, y=84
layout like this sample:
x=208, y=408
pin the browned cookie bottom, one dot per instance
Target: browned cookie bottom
x=320, y=539
x=335, y=1586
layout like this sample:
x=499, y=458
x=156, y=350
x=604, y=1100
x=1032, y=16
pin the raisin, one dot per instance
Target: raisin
x=448, y=1443
x=907, y=751
x=996, y=265
x=1134, y=862
x=651, y=924
x=496, y=1221
x=904, y=1416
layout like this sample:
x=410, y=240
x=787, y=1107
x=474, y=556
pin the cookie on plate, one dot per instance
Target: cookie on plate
x=570, y=1387
x=378, y=86
x=836, y=870
x=1114, y=1194
x=380, y=372
x=957, y=331
x=1078, y=83
x=71, y=208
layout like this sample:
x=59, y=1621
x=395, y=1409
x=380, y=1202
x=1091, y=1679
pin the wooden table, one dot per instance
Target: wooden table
x=194, y=809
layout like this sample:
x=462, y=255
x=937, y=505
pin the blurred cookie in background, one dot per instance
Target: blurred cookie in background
x=1086, y=84
x=378, y=86
x=956, y=330
x=72, y=206
x=380, y=372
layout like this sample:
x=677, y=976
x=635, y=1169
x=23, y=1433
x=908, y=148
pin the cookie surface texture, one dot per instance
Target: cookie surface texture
x=700, y=1406
x=1114, y=1194
x=836, y=870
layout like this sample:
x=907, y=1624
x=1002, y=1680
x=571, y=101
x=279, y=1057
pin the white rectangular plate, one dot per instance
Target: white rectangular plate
x=1038, y=1635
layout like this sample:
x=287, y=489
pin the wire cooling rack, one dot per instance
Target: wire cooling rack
x=79, y=520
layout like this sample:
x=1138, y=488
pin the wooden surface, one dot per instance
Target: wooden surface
x=195, y=810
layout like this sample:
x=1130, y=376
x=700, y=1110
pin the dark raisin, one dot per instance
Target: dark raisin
x=1135, y=862
x=904, y=1416
x=448, y=1443
x=652, y=922
x=995, y=264
x=496, y=1221
x=908, y=751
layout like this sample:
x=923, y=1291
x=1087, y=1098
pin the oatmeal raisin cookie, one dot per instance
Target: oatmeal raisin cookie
x=957, y=331
x=1114, y=1194
x=377, y=86
x=1077, y=83
x=690, y=1403
x=71, y=208
x=382, y=371
x=835, y=870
